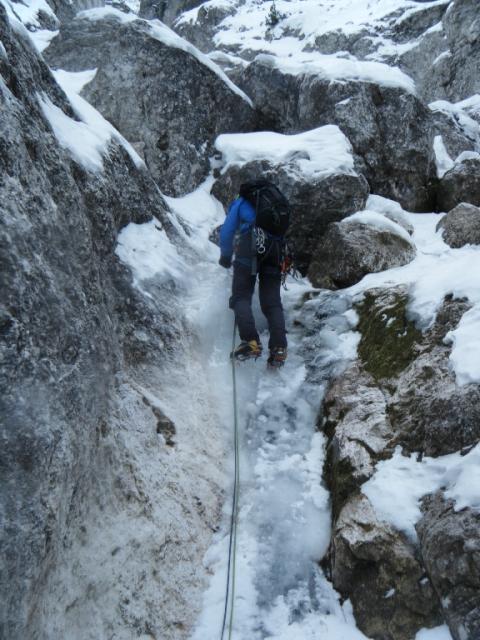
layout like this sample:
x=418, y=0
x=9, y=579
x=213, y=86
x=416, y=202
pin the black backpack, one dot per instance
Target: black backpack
x=271, y=206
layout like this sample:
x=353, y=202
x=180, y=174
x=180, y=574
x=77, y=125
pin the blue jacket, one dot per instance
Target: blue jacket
x=240, y=217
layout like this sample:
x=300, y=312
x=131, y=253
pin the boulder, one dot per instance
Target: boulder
x=460, y=184
x=378, y=569
x=358, y=430
x=315, y=170
x=450, y=546
x=461, y=226
x=350, y=249
x=201, y=30
x=387, y=126
x=172, y=124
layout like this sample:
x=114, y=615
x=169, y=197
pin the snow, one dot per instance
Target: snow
x=28, y=11
x=42, y=38
x=163, y=34
x=312, y=154
x=331, y=68
x=87, y=139
x=443, y=160
x=458, y=111
x=398, y=485
x=438, y=633
x=379, y=221
x=149, y=252
x=437, y=271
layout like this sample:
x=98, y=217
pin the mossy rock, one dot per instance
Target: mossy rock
x=389, y=339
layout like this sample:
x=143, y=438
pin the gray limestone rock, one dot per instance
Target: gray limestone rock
x=175, y=123
x=165, y=10
x=450, y=546
x=350, y=249
x=460, y=184
x=78, y=443
x=358, y=428
x=387, y=127
x=462, y=29
x=461, y=225
x=315, y=202
x=378, y=569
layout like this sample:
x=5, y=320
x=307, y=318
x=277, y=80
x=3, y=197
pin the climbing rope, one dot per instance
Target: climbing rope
x=232, y=546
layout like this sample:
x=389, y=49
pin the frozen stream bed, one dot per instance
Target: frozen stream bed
x=284, y=511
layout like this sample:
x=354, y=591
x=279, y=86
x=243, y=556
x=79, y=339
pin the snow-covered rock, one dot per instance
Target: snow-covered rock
x=450, y=544
x=460, y=184
x=378, y=569
x=315, y=169
x=172, y=124
x=461, y=225
x=366, y=242
x=385, y=122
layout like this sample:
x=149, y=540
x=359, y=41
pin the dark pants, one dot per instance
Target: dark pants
x=269, y=293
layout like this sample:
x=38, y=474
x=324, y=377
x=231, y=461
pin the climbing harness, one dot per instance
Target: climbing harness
x=232, y=545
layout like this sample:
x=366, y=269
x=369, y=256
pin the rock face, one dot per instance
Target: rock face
x=173, y=125
x=460, y=184
x=387, y=127
x=315, y=202
x=165, y=10
x=400, y=391
x=450, y=542
x=81, y=434
x=379, y=570
x=461, y=226
x=350, y=249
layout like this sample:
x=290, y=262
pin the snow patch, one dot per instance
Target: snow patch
x=332, y=68
x=87, y=139
x=148, y=251
x=438, y=633
x=317, y=153
x=443, y=160
x=398, y=485
x=379, y=221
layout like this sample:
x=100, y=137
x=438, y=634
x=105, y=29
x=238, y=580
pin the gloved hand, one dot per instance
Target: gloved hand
x=225, y=261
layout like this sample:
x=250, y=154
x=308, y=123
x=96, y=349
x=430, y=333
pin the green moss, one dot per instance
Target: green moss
x=389, y=339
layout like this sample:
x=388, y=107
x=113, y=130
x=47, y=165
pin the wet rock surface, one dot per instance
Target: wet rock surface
x=172, y=125
x=349, y=250
x=450, y=545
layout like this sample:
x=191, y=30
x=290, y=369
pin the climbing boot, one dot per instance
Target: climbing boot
x=247, y=350
x=277, y=357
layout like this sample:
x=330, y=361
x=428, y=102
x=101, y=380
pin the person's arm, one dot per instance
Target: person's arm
x=227, y=232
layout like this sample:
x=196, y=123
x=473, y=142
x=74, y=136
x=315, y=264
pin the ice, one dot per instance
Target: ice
x=398, y=485
x=315, y=153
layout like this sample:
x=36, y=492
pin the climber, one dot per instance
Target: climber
x=261, y=216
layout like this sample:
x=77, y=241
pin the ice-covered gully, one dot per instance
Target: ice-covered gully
x=122, y=143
